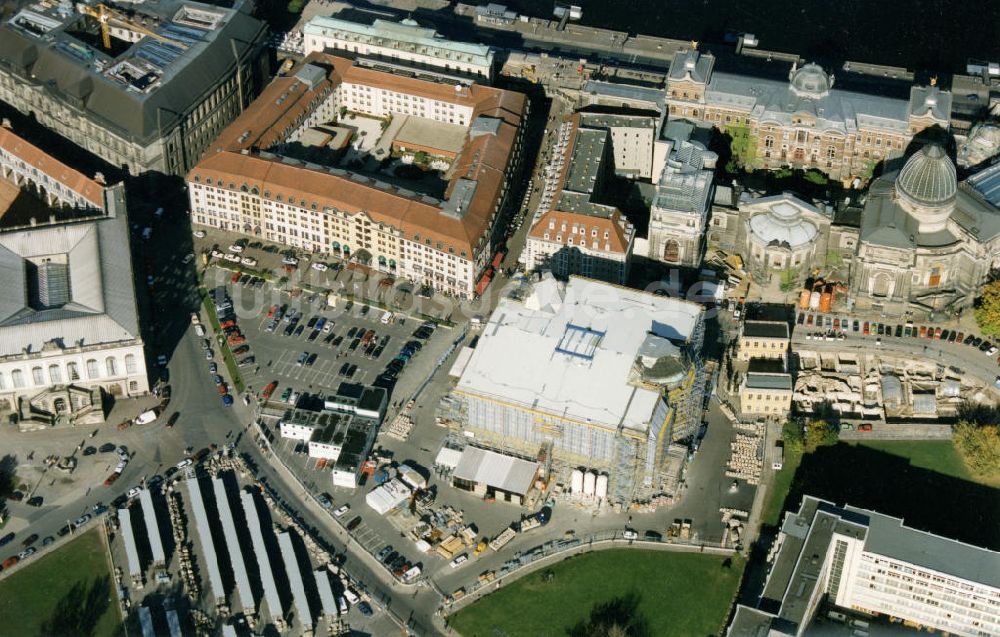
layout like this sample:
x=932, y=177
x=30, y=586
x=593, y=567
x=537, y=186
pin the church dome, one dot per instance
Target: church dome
x=782, y=225
x=928, y=179
x=810, y=81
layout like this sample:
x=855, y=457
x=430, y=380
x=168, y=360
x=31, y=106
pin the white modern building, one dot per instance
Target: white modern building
x=399, y=42
x=608, y=376
x=872, y=564
x=69, y=326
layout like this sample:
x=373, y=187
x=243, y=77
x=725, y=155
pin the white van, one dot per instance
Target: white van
x=386, y=318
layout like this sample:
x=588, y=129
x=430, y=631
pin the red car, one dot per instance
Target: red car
x=223, y=390
x=235, y=278
x=937, y=333
x=266, y=394
x=864, y=427
x=270, y=312
x=866, y=328
x=227, y=323
x=236, y=339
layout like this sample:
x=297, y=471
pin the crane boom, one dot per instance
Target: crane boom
x=104, y=15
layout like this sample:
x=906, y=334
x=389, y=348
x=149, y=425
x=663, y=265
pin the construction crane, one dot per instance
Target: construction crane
x=105, y=15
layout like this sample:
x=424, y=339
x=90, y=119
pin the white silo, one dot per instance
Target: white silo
x=576, y=482
x=588, y=483
x=601, y=488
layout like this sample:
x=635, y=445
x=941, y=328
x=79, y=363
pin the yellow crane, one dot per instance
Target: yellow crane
x=104, y=15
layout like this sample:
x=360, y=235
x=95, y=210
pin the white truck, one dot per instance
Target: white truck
x=145, y=417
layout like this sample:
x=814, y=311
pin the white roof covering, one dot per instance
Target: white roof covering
x=506, y=473
x=228, y=631
x=101, y=306
x=131, y=553
x=388, y=496
x=233, y=545
x=325, y=593
x=448, y=457
x=152, y=528
x=205, y=538
x=260, y=551
x=295, y=580
x=568, y=349
x=464, y=356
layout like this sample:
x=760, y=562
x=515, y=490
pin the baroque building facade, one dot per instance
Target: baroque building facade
x=804, y=122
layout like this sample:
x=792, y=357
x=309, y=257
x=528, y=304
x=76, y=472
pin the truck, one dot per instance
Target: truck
x=501, y=540
x=529, y=523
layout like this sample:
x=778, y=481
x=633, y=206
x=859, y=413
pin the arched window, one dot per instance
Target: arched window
x=130, y=367
x=671, y=251
x=72, y=371
x=17, y=376
x=111, y=366
x=37, y=376
x=3, y=383
x=92, y=369
x=55, y=374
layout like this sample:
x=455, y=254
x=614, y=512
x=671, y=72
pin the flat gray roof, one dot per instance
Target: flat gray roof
x=765, y=329
x=757, y=380
x=507, y=473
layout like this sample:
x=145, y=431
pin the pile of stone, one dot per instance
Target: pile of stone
x=746, y=456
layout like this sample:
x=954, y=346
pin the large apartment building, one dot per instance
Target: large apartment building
x=872, y=564
x=266, y=176
x=151, y=94
x=69, y=326
x=572, y=232
x=804, y=122
x=403, y=42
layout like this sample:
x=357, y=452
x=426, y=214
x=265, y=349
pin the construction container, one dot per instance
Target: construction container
x=576, y=482
x=825, y=301
x=814, y=299
x=601, y=487
x=589, y=481
x=804, y=299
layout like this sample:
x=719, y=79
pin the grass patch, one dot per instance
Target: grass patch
x=940, y=456
x=780, y=487
x=69, y=591
x=680, y=594
x=227, y=355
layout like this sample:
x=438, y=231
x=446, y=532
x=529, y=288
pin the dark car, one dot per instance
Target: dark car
x=354, y=523
x=344, y=368
x=298, y=330
x=313, y=335
x=36, y=501
x=652, y=536
x=107, y=447
x=312, y=322
x=354, y=344
x=312, y=359
x=7, y=539
x=31, y=539
x=899, y=330
x=365, y=609
x=952, y=336
x=351, y=332
x=351, y=370
x=89, y=451
x=173, y=419
x=63, y=531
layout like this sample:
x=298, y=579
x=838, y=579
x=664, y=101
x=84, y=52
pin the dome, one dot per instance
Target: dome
x=928, y=179
x=810, y=81
x=782, y=225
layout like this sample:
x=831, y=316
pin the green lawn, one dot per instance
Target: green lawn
x=936, y=455
x=779, y=489
x=227, y=355
x=68, y=591
x=682, y=594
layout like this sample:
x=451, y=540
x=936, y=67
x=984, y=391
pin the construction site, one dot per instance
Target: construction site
x=205, y=549
x=590, y=377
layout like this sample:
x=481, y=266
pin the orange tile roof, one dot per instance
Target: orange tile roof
x=617, y=240
x=484, y=159
x=75, y=181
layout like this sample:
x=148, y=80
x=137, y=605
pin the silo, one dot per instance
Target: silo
x=588, y=483
x=576, y=482
x=804, y=299
x=601, y=489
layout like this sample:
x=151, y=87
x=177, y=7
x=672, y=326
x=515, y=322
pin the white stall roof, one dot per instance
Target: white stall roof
x=125, y=520
x=448, y=457
x=146, y=622
x=233, y=545
x=205, y=538
x=152, y=528
x=228, y=631
x=388, y=496
x=263, y=561
x=295, y=580
x=325, y=593
x=508, y=473
x=173, y=623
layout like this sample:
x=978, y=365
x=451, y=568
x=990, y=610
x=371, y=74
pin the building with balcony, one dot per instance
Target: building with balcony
x=871, y=564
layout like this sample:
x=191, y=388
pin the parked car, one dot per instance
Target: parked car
x=354, y=523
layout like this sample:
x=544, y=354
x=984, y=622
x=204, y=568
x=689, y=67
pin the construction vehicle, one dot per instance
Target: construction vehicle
x=107, y=16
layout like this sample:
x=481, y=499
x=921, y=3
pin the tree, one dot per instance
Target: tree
x=988, y=310
x=743, y=148
x=979, y=447
x=820, y=433
x=816, y=177
x=789, y=279
x=791, y=434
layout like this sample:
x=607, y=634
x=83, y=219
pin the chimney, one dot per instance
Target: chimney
x=99, y=178
x=6, y=124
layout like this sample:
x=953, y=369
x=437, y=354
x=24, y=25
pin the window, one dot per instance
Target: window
x=55, y=374
x=37, y=376
x=17, y=377
x=3, y=385
x=72, y=371
x=92, y=369
x=130, y=366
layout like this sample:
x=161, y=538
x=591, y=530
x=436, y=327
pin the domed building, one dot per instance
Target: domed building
x=781, y=233
x=927, y=242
